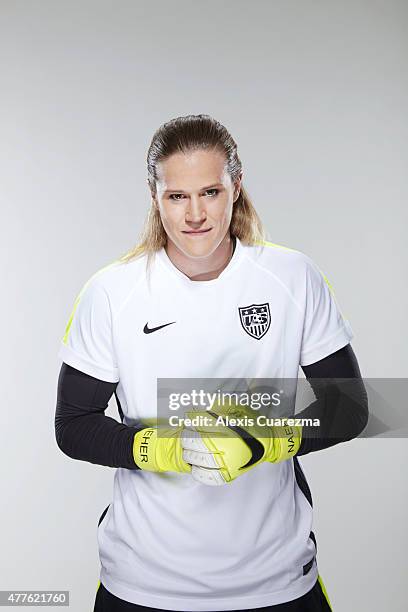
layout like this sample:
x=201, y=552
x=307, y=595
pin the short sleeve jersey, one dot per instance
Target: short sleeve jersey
x=168, y=541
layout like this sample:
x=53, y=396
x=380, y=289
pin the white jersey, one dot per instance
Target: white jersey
x=168, y=541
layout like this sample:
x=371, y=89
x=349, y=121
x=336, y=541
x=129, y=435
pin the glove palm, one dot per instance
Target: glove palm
x=220, y=453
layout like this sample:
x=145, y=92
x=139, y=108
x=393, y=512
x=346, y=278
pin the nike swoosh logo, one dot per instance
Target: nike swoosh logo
x=255, y=445
x=149, y=330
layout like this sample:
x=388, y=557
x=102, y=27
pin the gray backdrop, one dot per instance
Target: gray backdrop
x=314, y=94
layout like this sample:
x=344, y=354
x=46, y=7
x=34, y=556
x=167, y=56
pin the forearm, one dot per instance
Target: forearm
x=96, y=438
x=342, y=411
x=82, y=430
x=341, y=403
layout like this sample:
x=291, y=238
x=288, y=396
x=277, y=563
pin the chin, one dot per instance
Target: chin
x=203, y=248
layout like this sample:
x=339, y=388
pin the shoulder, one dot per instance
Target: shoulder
x=278, y=259
x=291, y=268
x=115, y=281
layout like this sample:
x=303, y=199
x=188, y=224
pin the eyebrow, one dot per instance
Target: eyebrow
x=202, y=188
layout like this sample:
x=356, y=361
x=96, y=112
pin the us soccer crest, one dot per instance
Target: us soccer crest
x=255, y=319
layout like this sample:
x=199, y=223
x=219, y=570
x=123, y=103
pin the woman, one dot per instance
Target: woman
x=204, y=295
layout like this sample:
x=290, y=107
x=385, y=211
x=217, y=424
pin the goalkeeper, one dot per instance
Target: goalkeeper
x=208, y=517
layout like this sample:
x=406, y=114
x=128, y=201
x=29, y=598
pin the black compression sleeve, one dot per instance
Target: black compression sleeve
x=341, y=404
x=82, y=430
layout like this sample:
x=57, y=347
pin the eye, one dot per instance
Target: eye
x=213, y=193
x=216, y=192
x=175, y=194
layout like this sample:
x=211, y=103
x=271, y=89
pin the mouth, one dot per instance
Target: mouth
x=197, y=232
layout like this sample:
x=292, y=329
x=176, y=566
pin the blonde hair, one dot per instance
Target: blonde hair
x=182, y=135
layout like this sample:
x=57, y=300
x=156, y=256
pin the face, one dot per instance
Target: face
x=195, y=197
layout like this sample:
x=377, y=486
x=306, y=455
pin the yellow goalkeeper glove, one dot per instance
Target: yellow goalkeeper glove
x=219, y=453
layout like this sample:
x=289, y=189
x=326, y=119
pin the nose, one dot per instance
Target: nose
x=195, y=212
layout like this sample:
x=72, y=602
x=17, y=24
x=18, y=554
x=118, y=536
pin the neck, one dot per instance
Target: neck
x=205, y=268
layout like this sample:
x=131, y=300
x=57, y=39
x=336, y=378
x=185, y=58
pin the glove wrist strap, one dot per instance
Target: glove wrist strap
x=286, y=442
x=144, y=449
